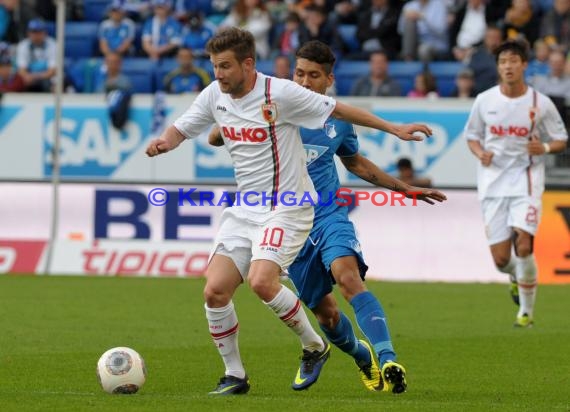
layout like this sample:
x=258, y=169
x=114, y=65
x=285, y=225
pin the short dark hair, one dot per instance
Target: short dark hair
x=517, y=47
x=240, y=41
x=404, y=163
x=318, y=52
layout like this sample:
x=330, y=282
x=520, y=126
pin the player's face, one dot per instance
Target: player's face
x=230, y=73
x=511, y=68
x=311, y=76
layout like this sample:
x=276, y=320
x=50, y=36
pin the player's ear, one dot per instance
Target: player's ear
x=330, y=80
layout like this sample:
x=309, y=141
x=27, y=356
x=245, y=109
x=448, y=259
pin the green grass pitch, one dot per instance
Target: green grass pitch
x=456, y=341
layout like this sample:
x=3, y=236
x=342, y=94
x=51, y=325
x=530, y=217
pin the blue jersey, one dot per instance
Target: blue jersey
x=321, y=145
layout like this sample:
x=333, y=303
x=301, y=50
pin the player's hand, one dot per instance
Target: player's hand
x=535, y=146
x=486, y=158
x=406, y=132
x=215, y=137
x=424, y=194
x=158, y=146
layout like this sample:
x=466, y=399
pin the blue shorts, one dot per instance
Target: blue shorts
x=332, y=238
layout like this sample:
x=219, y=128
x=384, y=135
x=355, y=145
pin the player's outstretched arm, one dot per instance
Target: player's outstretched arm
x=169, y=140
x=366, y=170
x=215, y=137
x=362, y=117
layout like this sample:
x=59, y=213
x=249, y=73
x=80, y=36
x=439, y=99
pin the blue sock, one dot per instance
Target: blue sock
x=343, y=337
x=372, y=322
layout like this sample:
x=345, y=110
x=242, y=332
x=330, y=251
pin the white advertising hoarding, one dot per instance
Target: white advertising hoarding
x=91, y=149
x=115, y=230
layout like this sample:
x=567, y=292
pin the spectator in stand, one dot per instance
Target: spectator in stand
x=378, y=82
x=110, y=76
x=557, y=83
x=10, y=80
x=423, y=25
x=46, y=10
x=8, y=25
x=482, y=60
x=196, y=33
x=287, y=40
x=539, y=63
x=555, y=25
x=521, y=22
x=464, y=84
x=346, y=11
x=407, y=174
x=377, y=29
x=186, y=78
x=282, y=67
x=161, y=35
x=425, y=86
x=467, y=29
x=36, y=58
x=138, y=10
x=117, y=33
x=252, y=15
x=317, y=27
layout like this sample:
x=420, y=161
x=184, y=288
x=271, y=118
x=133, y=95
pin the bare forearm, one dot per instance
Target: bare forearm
x=476, y=148
x=368, y=171
x=557, y=146
x=173, y=136
x=363, y=118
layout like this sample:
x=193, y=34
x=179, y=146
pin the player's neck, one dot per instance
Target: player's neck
x=248, y=85
x=514, y=90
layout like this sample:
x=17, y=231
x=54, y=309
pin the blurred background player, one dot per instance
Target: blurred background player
x=510, y=128
x=407, y=174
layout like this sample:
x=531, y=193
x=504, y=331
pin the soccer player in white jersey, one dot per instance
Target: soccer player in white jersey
x=510, y=129
x=260, y=118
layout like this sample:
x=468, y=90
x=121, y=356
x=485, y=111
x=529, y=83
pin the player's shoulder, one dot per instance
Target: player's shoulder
x=491, y=93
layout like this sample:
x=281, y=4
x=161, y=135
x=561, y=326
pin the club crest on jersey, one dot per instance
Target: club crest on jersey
x=533, y=113
x=330, y=130
x=269, y=112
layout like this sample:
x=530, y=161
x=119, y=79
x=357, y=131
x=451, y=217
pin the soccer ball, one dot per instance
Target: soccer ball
x=121, y=370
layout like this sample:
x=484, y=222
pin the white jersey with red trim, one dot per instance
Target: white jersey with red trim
x=503, y=126
x=261, y=131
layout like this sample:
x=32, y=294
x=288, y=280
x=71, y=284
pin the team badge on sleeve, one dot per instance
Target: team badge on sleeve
x=269, y=112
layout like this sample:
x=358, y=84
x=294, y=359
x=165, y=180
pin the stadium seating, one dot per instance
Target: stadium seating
x=141, y=71
x=95, y=10
x=81, y=39
x=347, y=72
x=348, y=34
x=445, y=73
x=162, y=69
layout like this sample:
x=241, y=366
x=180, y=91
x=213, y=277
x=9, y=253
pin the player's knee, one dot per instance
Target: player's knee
x=524, y=248
x=262, y=287
x=501, y=261
x=216, y=297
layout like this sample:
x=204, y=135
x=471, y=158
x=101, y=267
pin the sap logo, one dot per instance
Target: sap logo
x=385, y=149
x=243, y=134
x=313, y=152
x=515, y=131
x=222, y=108
x=89, y=144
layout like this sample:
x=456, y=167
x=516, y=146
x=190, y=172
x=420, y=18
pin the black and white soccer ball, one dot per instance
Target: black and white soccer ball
x=121, y=370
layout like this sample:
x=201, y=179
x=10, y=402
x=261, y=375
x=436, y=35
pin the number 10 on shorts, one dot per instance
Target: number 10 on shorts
x=272, y=237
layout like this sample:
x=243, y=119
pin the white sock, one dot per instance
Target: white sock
x=224, y=326
x=526, y=279
x=288, y=307
x=509, y=268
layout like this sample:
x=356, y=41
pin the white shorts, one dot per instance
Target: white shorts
x=502, y=214
x=277, y=236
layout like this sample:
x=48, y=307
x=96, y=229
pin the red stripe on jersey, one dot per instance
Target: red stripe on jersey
x=292, y=312
x=274, y=149
x=226, y=333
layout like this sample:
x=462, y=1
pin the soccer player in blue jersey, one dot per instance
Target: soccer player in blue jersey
x=332, y=252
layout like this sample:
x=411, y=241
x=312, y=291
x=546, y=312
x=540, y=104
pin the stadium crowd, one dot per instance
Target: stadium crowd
x=415, y=48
